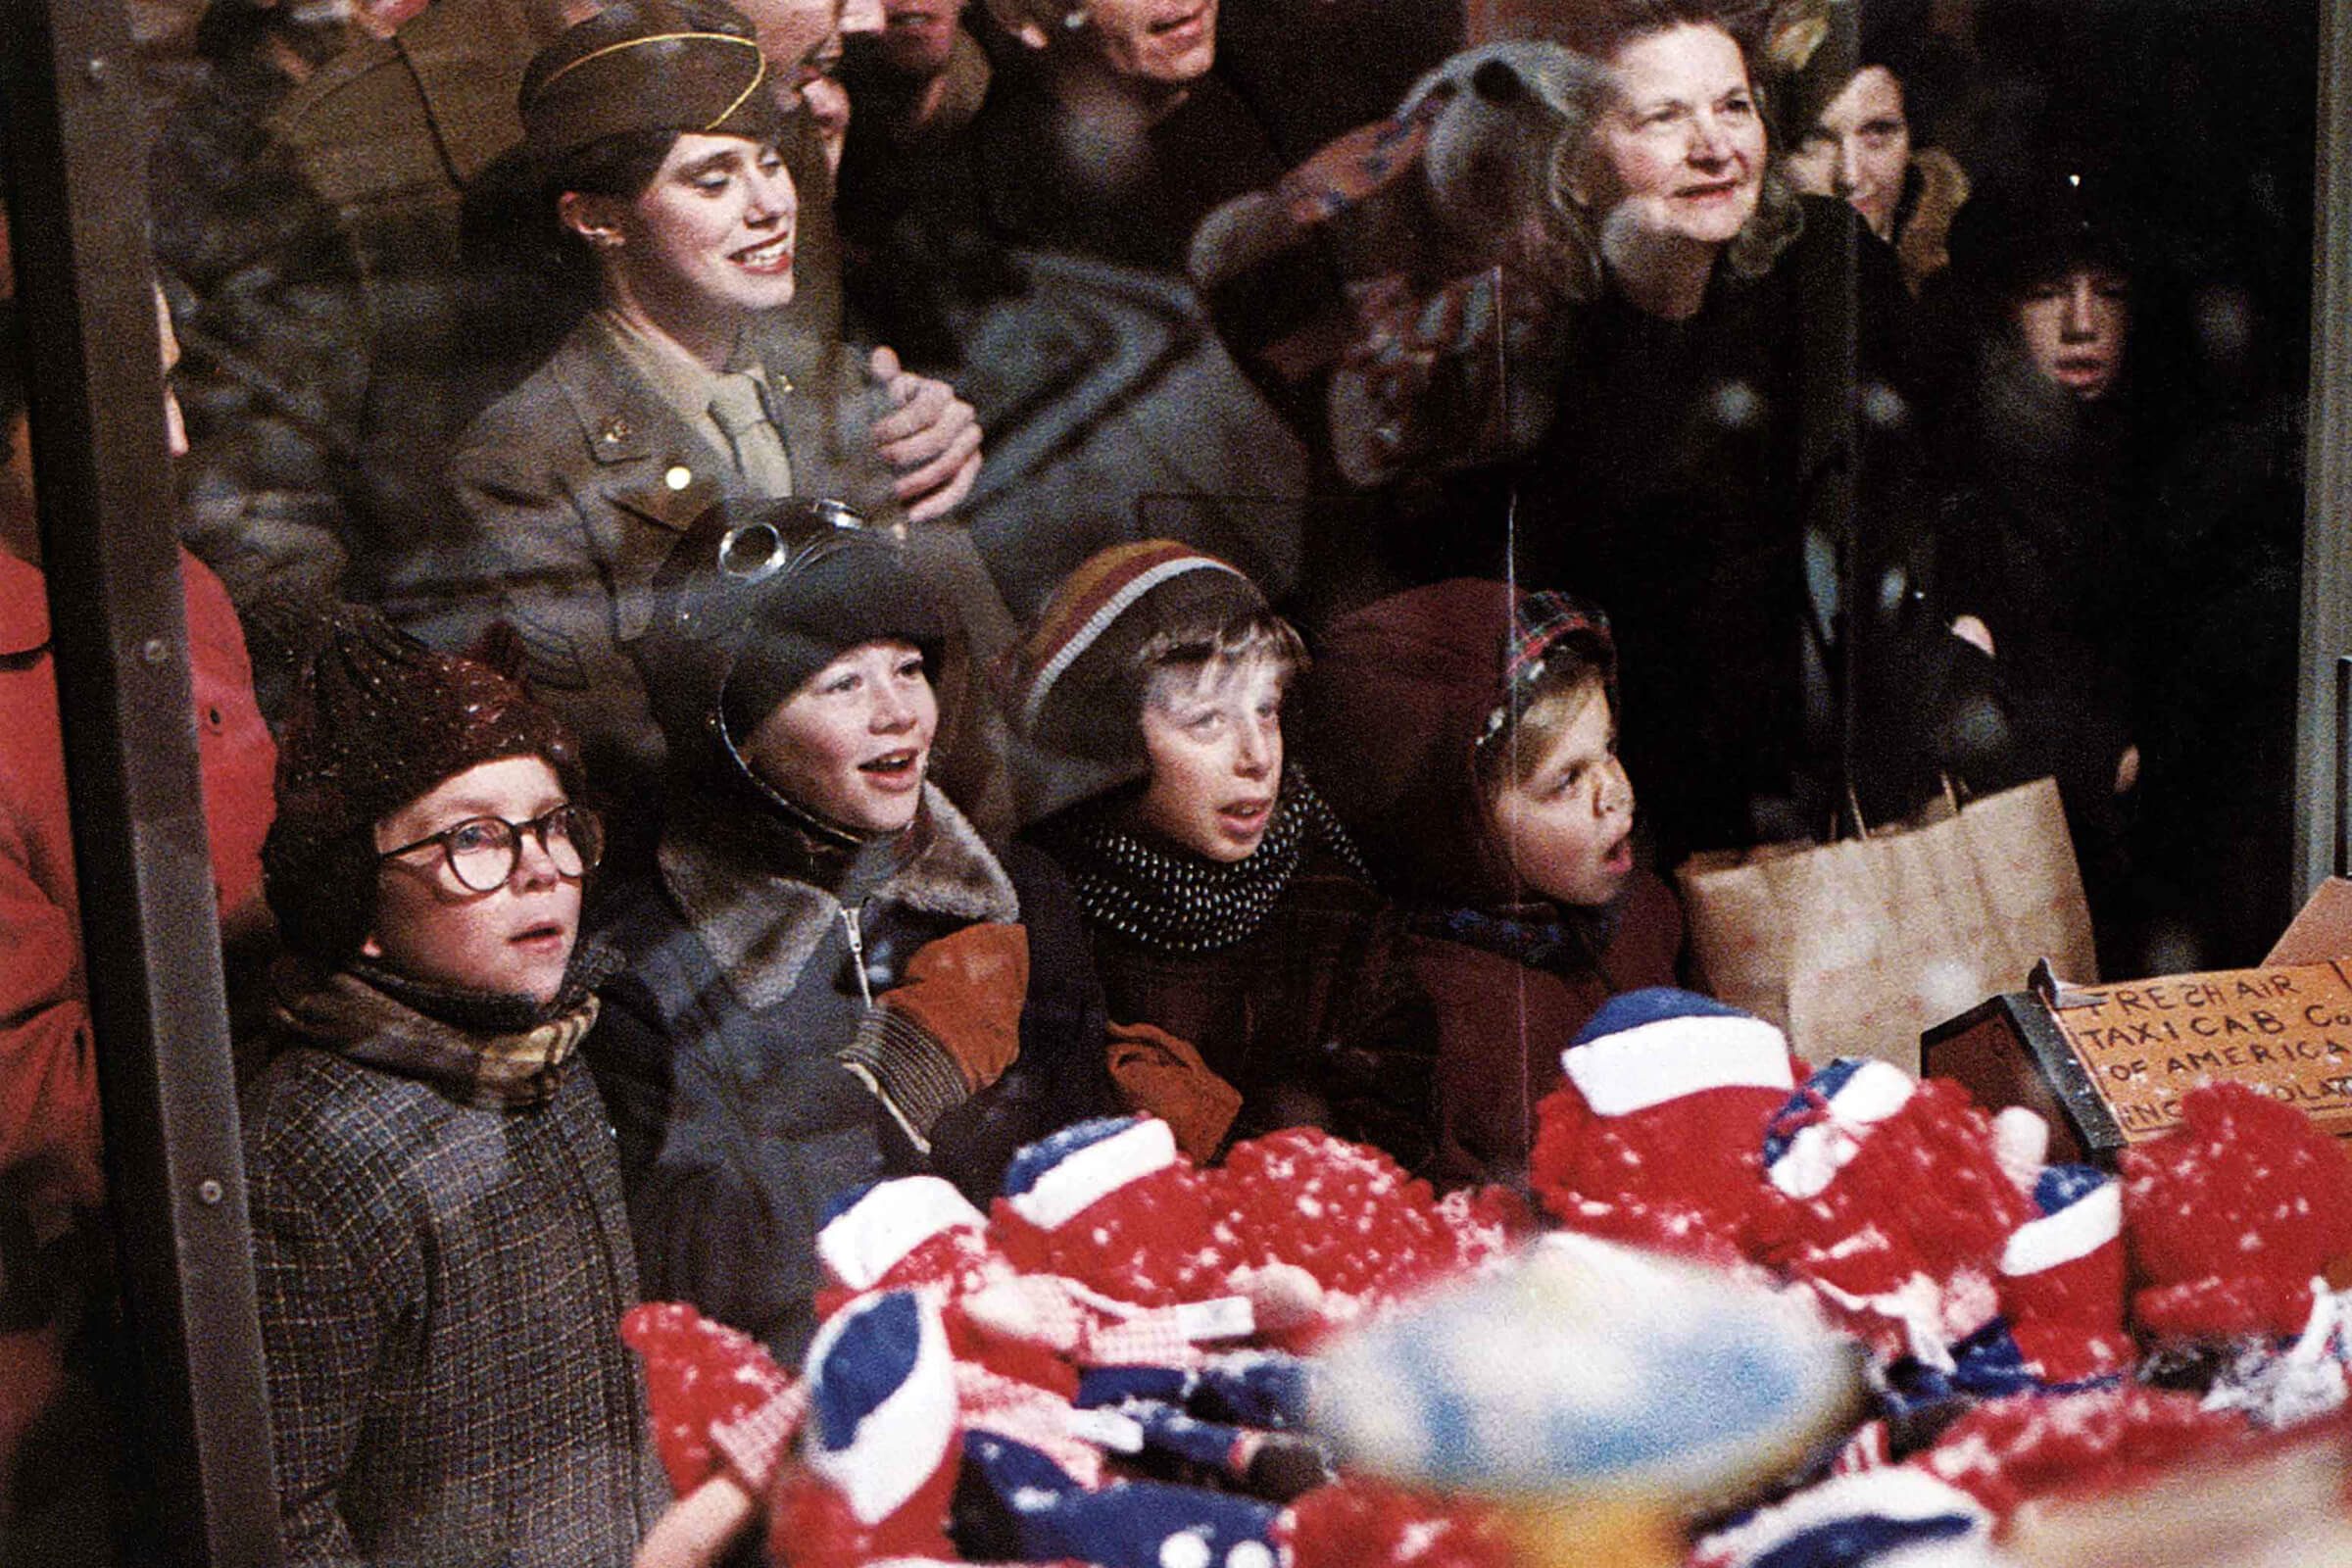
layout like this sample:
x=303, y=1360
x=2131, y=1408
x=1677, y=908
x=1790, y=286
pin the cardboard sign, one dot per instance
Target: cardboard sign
x=2143, y=1044
x=2106, y=1065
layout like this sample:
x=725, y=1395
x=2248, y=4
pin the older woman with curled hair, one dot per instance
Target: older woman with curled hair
x=1673, y=482
x=1673, y=175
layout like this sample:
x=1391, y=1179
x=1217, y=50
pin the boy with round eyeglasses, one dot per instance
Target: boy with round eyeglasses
x=440, y=1248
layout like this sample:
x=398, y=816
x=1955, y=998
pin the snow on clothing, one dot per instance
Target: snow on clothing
x=48, y=1075
x=1286, y=970
x=1393, y=712
x=719, y=1048
x=442, y=1258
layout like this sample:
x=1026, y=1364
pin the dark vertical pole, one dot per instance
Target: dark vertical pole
x=2343, y=765
x=2328, y=453
x=1830, y=464
x=152, y=947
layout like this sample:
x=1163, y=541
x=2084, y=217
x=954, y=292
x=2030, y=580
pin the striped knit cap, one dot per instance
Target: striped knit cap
x=1073, y=686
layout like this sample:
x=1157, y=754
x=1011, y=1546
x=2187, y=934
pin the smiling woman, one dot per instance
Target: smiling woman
x=653, y=130
x=1665, y=488
x=1675, y=171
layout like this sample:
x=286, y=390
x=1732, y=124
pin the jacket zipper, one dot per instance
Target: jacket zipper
x=849, y=918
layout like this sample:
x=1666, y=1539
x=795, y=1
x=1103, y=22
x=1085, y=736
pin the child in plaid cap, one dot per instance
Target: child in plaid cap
x=1467, y=733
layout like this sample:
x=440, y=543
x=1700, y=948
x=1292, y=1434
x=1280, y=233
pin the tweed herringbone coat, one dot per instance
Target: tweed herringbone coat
x=440, y=1286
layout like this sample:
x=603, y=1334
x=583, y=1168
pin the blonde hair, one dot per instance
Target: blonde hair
x=1516, y=752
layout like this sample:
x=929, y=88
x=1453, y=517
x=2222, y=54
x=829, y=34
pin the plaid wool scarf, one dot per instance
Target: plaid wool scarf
x=484, y=1049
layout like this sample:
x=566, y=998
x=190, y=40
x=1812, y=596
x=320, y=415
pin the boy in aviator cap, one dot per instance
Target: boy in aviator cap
x=440, y=1251
x=830, y=978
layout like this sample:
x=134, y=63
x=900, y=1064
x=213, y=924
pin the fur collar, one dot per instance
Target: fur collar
x=762, y=924
x=1938, y=187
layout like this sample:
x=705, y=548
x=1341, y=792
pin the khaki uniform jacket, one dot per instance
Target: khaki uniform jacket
x=575, y=486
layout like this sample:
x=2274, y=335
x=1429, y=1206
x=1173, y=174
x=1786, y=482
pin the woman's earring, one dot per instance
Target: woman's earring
x=1074, y=18
x=603, y=239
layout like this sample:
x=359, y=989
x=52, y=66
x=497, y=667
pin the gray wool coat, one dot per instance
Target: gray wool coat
x=719, y=1050
x=440, y=1288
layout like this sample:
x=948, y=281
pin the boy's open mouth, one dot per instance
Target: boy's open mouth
x=893, y=767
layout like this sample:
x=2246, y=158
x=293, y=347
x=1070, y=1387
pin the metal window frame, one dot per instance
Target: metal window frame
x=2327, y=628
x=200, y=1455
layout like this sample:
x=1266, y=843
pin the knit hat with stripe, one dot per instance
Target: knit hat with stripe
x=1075, y=685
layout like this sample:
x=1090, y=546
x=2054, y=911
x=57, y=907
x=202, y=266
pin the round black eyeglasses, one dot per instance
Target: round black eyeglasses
x=482, y=851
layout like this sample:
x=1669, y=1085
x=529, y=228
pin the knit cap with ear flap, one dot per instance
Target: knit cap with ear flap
x=684, y=67
x=1403, y=695
x=1073, y=685
x=758, y=597
x=379, y=719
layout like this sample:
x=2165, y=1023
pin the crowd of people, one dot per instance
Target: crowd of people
x=835, y=586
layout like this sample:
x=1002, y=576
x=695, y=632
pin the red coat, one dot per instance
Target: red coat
x=1503, y=1025
x=48, y=1078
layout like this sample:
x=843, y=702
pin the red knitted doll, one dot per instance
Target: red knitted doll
x=2233, y=1214
x=1896, y=1206
x=1655, y=1134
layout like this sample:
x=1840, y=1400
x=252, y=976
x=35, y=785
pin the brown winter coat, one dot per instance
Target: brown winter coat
x=1397, y=698
x=1502, y=1024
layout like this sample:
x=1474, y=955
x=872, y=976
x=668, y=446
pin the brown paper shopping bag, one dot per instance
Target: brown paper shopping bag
x=1856, y=946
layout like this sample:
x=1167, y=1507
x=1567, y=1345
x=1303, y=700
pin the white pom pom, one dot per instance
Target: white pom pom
x=2020, y=1142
